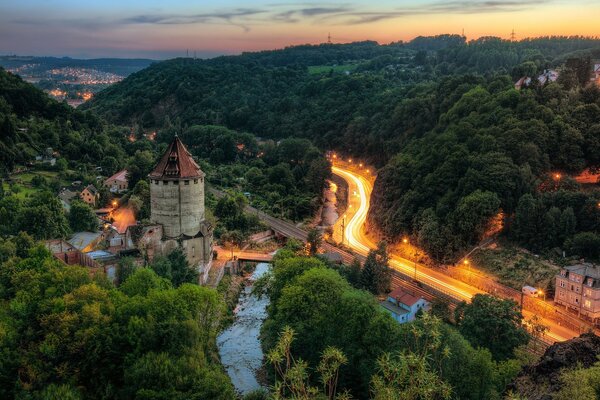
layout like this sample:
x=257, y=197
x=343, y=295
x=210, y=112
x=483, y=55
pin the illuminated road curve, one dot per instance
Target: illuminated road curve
x=356, y=238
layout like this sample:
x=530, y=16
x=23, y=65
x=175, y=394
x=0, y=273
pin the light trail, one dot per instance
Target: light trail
x=361, y=243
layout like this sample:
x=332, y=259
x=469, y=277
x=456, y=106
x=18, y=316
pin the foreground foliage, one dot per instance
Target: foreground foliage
x=66, y=335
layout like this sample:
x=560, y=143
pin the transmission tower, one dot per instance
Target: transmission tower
x=513, y=35
x=329, y=37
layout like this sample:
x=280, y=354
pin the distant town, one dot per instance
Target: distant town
x=72, y=80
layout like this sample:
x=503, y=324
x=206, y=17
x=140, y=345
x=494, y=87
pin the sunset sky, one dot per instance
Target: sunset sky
x=164, y=29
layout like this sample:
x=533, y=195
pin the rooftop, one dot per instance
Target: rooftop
x=119, y=176
x=393, y=308
x=177, y=162
x=404, y=297
x=585, y=269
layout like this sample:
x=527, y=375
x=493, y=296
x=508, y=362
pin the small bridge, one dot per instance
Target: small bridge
x=253, y=256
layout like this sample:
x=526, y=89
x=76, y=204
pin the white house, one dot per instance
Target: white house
x=403, y=306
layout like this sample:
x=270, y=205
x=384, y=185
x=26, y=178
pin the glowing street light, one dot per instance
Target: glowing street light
x=350, y=160
x=360, y=165
x=557, y=176
x=114, y=203
x=405, y=240
x=540, y=291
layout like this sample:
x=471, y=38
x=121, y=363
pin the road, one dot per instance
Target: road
x=359, y=190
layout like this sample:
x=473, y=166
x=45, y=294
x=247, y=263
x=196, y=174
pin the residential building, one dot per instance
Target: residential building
x=117, y=183
x=595, y=76
x=66, y=196
x=578, y=289
x=90, y=195
x=403, y=305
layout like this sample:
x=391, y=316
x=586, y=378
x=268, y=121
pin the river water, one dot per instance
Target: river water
x=239, y=345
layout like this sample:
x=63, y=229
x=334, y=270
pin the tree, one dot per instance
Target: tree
x=125, y=267
x=580, y=383
x=407, y=375
x=375, y=275
x=139, y=166
x=43, y=217
x=493, y=323
x=175, y=268
x=292, y=377
x=82, y=217
x=314, y=240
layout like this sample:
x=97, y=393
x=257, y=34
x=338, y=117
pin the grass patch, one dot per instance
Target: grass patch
x=515, y=267
x=325, y=69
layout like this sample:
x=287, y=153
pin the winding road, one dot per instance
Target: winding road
x=359, y=188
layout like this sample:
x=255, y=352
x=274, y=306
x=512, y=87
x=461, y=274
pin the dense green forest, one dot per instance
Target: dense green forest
x=66, y=335
x=459, y=145
x=384, y=359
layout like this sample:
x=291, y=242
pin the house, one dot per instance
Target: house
x=595, y=72
x=118, y=182
x=548, y=76
x=86, y=241
x=71, y=255
x=578, y=289
x=66, y=196
x=403, y=305
x=90, y=195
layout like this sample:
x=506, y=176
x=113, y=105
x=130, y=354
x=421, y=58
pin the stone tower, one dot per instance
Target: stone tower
x=177, y=193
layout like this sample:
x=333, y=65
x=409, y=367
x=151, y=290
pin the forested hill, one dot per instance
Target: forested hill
x=362, y=98
x=30, y=122
x=463, y=151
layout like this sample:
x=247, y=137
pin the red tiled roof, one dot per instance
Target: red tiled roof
x=403, y=297
x=177, y=162
x=120, y=176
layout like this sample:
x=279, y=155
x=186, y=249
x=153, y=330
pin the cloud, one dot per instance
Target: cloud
x=315, y=13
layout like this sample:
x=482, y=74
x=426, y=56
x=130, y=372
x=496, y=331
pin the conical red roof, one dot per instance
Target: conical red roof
x=176, y=163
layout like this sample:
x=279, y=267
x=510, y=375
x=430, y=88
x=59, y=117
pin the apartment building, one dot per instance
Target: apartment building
x=578, y=289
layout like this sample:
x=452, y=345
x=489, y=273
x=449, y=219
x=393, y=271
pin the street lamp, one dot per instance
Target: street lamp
x=540, y=291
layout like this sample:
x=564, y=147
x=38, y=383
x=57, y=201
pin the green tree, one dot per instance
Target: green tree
x=493, y=323
x=314, y=240
x=375, y=275
x=175, y=268
x=82, y=217
x=408, y=374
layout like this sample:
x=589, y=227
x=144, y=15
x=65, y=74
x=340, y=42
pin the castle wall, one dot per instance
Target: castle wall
x=178, y=205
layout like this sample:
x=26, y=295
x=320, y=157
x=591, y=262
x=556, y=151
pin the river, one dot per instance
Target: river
x=239, y=345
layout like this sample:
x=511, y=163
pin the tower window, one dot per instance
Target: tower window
x=165, y=182
x=186, y=182
x=156, y=182
x=195, y=181
x=175, y=182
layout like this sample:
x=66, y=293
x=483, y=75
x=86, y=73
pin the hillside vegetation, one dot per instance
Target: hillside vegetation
x=461, y=149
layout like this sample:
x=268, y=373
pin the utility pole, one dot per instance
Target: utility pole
x=343, y=228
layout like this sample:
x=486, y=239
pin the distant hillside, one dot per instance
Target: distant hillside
x=30, y=122
x=39, y=65
x=356, y=97
x=463, y=152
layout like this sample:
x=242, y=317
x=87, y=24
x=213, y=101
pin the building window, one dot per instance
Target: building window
x=587, y=292
x=587, y=304
x=561, y=293
x=193, y=251
x=175, y=182
x=186, y=182
x=577, y=289
x=156, y=182
x=165, y=182
x=195, y=181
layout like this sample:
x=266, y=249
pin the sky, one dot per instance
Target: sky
x=165, y=29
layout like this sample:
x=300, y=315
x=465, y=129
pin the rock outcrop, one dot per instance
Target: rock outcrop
x=542, y=380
